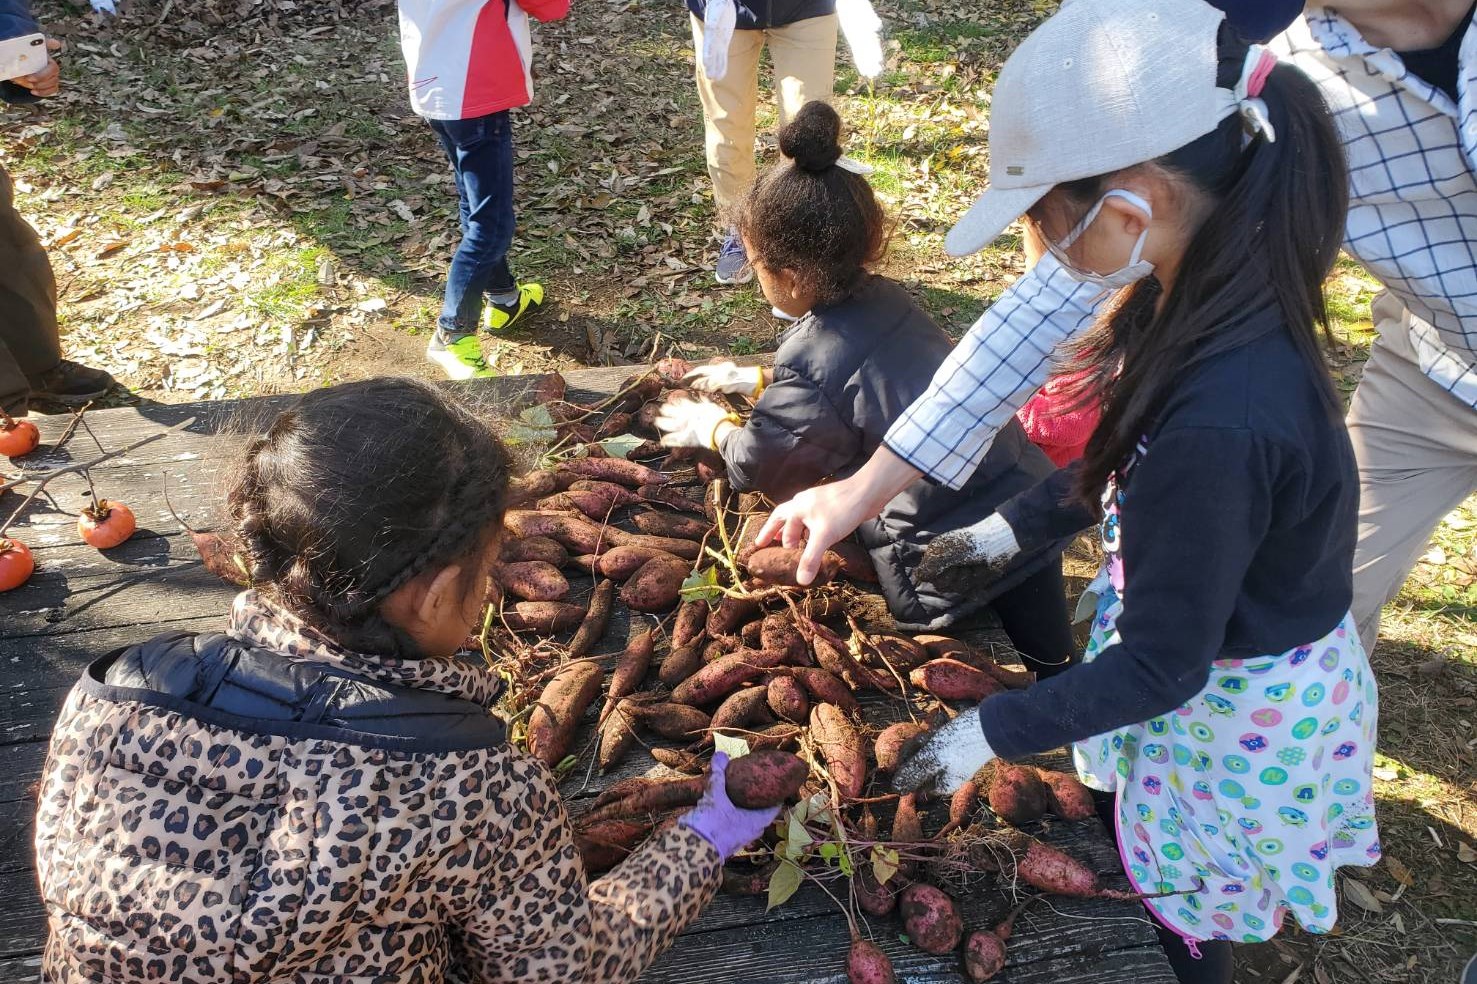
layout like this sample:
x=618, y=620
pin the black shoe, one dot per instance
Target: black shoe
x=70, y=384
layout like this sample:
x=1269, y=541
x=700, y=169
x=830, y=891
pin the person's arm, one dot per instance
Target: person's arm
x=1048, y=511
x=793, y=438
x=16, y=21
x=945, y=434
x=1196, y=508
x=538, y=919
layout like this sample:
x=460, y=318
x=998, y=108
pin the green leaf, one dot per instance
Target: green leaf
x=702, y=585
x=537, y=416
x=783, y=884
x=621, y=446
x=884, y=864
x=847, y=868
x=735, y=747
x=797, y=834
x=830, y=851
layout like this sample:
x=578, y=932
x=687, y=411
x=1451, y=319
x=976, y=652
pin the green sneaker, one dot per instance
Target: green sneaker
x=500, y=317
x=460, y=357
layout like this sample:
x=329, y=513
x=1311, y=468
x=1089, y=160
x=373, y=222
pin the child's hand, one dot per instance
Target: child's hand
x=726, y=377
x=990, y=542
x=947, y=758
x=715, y=819
x=689, y=423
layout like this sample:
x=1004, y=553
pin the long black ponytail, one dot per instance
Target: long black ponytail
x=1272, y=232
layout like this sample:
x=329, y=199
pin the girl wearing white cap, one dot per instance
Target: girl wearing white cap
x=1224, y=699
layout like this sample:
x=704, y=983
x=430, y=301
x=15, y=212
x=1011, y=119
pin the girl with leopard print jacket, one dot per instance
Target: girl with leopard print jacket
x=320, y=793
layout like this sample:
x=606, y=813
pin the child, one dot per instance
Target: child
x=860, y=353
x=729, y=36
x=1224, y=698
x=468, y=63
x=321, y=792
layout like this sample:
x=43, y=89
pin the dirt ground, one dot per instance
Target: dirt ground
x=238, y=201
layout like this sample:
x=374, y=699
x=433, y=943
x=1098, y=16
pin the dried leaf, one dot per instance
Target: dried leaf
x=1359, y=894
x=783, y=884
x=1465, y=854
x=1399, y=871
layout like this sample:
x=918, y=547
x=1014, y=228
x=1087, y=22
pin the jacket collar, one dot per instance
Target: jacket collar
x=257, y=621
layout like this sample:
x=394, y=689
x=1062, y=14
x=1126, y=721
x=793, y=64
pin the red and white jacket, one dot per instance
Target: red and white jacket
x=469, y=58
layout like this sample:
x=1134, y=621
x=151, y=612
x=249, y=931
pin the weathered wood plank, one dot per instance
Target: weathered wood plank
x=20, y=767
x=14, y=970
x=22, y=920
x=134, y=596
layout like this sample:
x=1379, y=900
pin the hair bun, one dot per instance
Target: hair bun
x=813, y=138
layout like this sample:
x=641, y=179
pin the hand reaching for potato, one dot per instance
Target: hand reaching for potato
x=726, y=377
x=946, y=758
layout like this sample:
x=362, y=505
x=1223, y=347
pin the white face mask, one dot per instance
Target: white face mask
x=1137, y=268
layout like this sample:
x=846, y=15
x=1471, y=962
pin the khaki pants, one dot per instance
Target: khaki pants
x=804, y=58
x=1417, y=450
x=28, y=338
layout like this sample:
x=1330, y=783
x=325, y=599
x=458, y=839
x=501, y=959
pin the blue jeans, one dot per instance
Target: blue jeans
x=481, y=155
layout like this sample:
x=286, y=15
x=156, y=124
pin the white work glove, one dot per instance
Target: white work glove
x=947, y=758
x=990, y=542
x=726, y=377
x=862, y=29
x=688, y=423
x=719, y=18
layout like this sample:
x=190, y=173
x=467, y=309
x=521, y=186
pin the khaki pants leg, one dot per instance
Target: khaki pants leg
x=28, y=338
x=804, y=57
x=1417, y=451
x=728, y=116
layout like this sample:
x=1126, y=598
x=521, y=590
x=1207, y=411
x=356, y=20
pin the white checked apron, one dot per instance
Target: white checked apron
x=1254, y=791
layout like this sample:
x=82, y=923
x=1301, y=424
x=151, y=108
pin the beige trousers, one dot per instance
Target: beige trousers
x=1417, y=450
x=804, y=58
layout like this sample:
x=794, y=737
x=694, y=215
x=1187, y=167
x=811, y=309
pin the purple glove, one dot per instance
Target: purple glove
x=716, y=820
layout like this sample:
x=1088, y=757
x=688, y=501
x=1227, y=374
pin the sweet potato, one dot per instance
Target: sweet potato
x=589, y=563
x=672, y=499
x=874, y=898
x=730, y=614
x=533, y=548
x=931, y=918
x=592, y=505
x=949, y=679
x=720, y=647
x=748, y=880
x=654, y=523
x=671, y=370
x=617, y=735
x=939, y=646
x=898, y=652
x=681, y=663
x=961, y=805
x=565, y=697
x=608, y=843
x=575, y=532
x=676, y=546
x=867, y=964
x=691, y=624
x=617, y=470
x=776, y=565
x=679, y=760
x=787, y=699
x=749, y=532
x=742, y=708
x=888, y=749
x=652, y=796
x=749, y=635
x=984, y=949
x=836, y=738
x=855, y=562
x=614, y=424
x=1049, y=870
x=1017, y=795
x=907, y=823
x=619, y=563
x=777, y=632
x=543, y=617
x=775, y=736
x=631, y=668
x=763, y=779
x=833, y=655
x=637, y=390
x=532, y=580
x=579, y=432
x=825, y=687
x=531, y=487
x=657, y=586
x=1070, y=800
x=719, y=678
x=674, y=721
x=592, y=627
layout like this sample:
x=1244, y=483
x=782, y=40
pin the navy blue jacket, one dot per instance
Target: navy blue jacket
x=1260, y=20
x=759, y=14
x=16, y=21
x=842, y=375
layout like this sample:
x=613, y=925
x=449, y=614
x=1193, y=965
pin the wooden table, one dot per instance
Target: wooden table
x=82, y=604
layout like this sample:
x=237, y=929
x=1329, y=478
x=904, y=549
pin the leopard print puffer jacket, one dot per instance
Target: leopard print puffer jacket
x=180, y=844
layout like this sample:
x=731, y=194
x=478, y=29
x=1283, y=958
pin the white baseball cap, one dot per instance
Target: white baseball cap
x=1100, y=86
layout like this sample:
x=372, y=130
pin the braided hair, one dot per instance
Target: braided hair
x=357, y=489
x=811, y=216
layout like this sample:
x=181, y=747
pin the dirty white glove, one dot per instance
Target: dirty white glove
x=863, y=32
x=719, y=18
x=990, y=542
x=689, y=423
x=947, y=758
x=726, y=377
